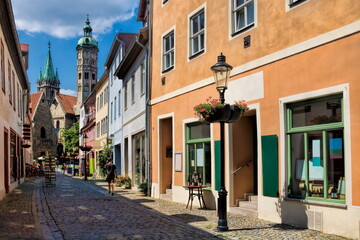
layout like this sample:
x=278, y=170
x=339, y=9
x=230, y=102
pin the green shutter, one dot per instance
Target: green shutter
x=269, y=145
x=217, y=165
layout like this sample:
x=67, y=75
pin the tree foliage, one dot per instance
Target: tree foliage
x=103, y=156
x=70, y=138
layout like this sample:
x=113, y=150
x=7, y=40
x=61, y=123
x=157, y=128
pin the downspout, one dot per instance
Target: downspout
x=147, y=102
x=148, y=98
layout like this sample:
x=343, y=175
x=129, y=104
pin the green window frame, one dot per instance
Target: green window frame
x=198, y=155
x=315, y=149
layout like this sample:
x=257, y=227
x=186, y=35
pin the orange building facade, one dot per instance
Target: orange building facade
x=296, y=65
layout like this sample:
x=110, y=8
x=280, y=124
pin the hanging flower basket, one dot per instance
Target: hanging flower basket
x=85, y=148
x=235, y=115
x=25, y=145
x=219, y=114
x=214, y=111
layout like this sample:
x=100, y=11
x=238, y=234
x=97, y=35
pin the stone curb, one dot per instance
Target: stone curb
x=47, y=224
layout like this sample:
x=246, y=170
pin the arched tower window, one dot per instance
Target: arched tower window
x=57, y=124
x=42, y=132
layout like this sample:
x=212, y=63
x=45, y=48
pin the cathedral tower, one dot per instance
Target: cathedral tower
x=48, y=81
x=87, y=59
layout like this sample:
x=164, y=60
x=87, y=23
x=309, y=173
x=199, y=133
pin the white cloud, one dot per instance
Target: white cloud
x=68, y=92
x=66, y=18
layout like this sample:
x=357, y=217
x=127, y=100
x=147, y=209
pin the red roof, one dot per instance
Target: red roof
x=34, y=99
x=68, y=102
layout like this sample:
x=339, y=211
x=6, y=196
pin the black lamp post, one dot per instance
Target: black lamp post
x=221, y=72
x=85, y=149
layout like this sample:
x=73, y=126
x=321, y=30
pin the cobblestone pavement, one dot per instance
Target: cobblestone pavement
x=241, y=227
x=18, y=215
x=80, y=210
x=75, y=209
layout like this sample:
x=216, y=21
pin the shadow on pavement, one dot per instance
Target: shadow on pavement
x=86, y=215
x=143, y=200
x=272, y=226
x=188, y=218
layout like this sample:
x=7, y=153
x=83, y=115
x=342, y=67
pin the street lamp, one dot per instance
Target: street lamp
x=221, y=72
x=85, y=149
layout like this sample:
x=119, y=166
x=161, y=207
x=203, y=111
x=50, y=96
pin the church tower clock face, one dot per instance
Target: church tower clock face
x=87, y=60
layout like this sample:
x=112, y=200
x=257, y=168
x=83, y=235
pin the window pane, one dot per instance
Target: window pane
x=167, y=61
x=297, y=182
x=315, y=165
x=238, y=2
x=317, y=113
x=191, y=161
x=171, y=59
x=199, y=162
x=199, y=131
x=202, y=21
x=335, y=165
x=167, y=44
x=195, y=25
x=240, y=19
x=207, y=175
x=172, y=41
x=195, y=45
x=250, y=13
x=201, y=41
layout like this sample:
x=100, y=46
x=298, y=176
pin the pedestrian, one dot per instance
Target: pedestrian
x=111, y=175
x=63, y=168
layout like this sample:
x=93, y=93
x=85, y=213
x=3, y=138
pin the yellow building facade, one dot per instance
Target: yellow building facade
x=296, y=65
x=102, y=110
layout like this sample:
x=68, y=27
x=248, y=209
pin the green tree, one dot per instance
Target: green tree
x=70, y=138
x=103, y=156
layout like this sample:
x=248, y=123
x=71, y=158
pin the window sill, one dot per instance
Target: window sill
x=196, y=54
x=243, y=30
x=319, y=203
x=294, y=4
x=168, y=69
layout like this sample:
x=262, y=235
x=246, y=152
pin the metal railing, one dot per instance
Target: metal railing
x=242, y=165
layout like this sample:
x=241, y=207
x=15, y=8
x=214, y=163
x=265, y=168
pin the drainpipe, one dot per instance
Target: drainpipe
x=147, y=102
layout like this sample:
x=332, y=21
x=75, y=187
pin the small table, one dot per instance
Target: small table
x=197, y=193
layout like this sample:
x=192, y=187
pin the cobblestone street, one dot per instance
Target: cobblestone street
x=75, y=209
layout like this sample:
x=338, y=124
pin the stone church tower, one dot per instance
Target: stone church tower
x=87, y=59
x=48, y=81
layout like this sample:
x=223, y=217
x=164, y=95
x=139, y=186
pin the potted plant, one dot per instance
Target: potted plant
x=123, y=181
x=237, y=110
x=144, y=188
x=215, y=111
x=212, y=110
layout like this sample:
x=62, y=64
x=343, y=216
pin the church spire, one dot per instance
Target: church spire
x=87, y=28
x=48, y=81
x=49, y=68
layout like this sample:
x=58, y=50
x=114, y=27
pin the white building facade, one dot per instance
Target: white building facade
x=115, y=104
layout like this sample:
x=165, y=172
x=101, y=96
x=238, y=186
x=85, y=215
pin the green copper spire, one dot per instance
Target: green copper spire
x=40, y=76
x=87, y=28
x=49, y=68
x=57, y=76
x=87, y=40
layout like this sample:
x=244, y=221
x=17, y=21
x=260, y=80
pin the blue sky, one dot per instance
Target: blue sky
x=61, y=23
